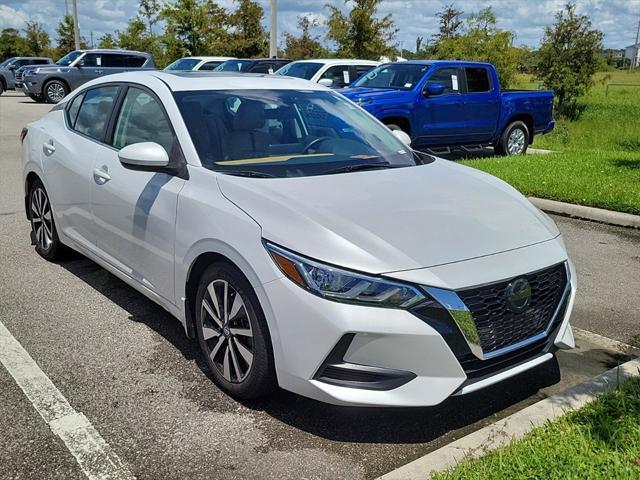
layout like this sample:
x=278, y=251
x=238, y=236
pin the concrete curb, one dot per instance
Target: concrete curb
x=587, y=213
x=514, y=426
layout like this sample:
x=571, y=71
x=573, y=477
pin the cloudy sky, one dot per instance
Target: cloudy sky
x=618, y=19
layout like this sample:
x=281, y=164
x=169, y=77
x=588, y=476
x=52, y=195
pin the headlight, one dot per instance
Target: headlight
x=341, y=285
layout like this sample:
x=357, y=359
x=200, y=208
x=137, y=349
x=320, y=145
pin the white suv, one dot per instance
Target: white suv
x=333, y=73
x=297, y=238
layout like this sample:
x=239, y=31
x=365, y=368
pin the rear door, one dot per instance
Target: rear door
x=481, y=104
x=135, y=209
x=440, y=120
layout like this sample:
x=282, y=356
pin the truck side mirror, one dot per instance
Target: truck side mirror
x=434, y=89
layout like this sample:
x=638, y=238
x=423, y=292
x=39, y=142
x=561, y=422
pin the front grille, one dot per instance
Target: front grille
x=498, y=327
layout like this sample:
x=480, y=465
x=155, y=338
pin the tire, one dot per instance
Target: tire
x=36, y=98
x=54, y=91
x=237, y=347
x=43, y=228
x=514, y=139
x=2, y=89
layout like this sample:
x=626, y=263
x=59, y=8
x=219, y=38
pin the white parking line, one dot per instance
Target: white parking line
x=93, y=454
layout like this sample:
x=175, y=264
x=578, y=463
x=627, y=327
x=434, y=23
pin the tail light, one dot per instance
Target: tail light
x=23, y=134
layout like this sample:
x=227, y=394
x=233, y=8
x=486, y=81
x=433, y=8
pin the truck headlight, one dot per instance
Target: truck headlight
x=340, y=285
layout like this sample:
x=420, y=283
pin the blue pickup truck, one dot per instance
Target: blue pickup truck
x=453, y=103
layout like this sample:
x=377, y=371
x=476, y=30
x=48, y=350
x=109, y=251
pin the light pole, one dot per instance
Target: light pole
x=76, y=27
x=273, y=35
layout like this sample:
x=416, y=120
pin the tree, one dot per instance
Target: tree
x=66, y=42
x=38, y=41
x=450, y=23
x=107, y=41
x=483, y=41
x=12, y=44
x=249, y=38
x=194, y=27
x=150, y=11
x=306, y=45
x=568, y=58
x=361, y=34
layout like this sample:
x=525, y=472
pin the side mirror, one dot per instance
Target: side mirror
x=327, y=82
x=144, y=154
x=402, y=136
x=11, y=67
x=435, y=89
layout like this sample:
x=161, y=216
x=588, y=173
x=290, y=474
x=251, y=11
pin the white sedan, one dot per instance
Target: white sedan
x=332, y=72
x=298, y=239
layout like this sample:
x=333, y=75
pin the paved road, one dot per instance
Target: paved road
x=125, y=364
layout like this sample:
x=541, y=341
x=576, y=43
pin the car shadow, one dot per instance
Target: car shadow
x=336, y=423
x=456, y=154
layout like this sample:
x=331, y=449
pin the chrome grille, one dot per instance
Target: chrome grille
x=498, y=327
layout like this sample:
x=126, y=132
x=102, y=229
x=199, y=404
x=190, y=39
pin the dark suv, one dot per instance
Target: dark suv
x=53, y=83
x=10, y=66
x=252, y=65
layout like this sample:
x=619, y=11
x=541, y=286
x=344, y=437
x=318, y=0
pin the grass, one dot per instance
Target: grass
x=601, y=441
x=598, y=159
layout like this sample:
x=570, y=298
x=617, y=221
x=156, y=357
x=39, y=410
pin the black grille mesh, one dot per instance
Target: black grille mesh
x=497, y=325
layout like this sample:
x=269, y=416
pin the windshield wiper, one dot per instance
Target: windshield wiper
x=358, y=167
x=247, y=173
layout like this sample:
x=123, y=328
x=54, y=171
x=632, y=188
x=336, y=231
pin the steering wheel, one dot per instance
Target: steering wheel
x=312, y=143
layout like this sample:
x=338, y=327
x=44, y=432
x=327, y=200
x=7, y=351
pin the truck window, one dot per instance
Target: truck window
x=447, y=77
x=477, y=79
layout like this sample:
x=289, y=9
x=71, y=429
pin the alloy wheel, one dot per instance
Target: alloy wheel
x=55, y=91
x=41, y=218
x=516, y=142
x=226, y=330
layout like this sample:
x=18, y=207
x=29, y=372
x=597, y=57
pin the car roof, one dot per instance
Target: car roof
x=198, y=80
x=113, y=50
x=195, y=57
x=440, y=62
x=331, y=61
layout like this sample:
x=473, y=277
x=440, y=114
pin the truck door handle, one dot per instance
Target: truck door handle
x=48, y=148
x=98, y=71
x=101, y=175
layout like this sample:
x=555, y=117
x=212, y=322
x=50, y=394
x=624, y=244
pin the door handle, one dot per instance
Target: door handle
x=48, y=148
x=98, y=71
x=101, y=175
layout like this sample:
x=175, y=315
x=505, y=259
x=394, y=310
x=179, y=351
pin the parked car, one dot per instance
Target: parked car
x=196, y=63
x=53, y=83
x=334, y=72
x=298, y=239
x=454, y=103
x=9, y=67
x=253, y=65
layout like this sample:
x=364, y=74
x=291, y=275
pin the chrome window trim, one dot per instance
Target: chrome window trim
x=465, y=322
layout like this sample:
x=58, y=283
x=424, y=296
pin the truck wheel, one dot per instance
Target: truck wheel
x=514, y=139
x=54, y=91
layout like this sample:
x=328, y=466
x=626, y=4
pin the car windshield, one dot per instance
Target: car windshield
x=287, y=133
x=304, y=70
x=6, y=62
x=183, y=64
x=399, y=76
x=234, y=66
x=69, y=58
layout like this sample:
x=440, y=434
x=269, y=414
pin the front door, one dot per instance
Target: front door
x=135, y=210
x=439, y=120
x=88, y=68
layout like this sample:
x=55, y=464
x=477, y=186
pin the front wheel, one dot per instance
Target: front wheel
x=36, y=98
x=233, y=333
x=1, y=88
x=54, y=91
x=514, y=140
x=43, y=228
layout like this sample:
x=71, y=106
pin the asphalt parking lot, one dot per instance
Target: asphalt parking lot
x=126, y=364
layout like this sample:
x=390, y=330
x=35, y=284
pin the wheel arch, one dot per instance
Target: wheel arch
x=29, y=181
x=526, y=118
x=400, y=121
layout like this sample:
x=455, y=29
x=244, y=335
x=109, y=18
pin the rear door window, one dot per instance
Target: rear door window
x=95, y=111
x=478, y=80
x=113, y=60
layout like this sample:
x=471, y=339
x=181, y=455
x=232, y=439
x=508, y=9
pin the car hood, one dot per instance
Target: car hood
x=389, y=220
x=359, y=94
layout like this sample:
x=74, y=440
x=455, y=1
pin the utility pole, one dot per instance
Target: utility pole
x=634, y=59
x=273, y=35
x=76, y=27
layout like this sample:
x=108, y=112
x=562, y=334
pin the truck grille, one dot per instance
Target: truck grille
x=498, y=326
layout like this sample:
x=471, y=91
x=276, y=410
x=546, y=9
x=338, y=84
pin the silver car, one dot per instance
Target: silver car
x=52, y=83
x=10, y=66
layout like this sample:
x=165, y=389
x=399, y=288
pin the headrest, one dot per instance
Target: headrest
x=250, y=116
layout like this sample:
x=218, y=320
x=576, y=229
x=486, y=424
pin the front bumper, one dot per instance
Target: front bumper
x=30, y=87
x=416, y=364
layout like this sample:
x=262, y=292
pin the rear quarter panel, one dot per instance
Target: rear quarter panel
x=537, y=104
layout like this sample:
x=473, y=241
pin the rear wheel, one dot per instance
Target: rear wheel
x=54, y=91
x=514, y=140
x=233, y=333
x=43, y=228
